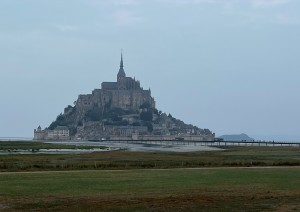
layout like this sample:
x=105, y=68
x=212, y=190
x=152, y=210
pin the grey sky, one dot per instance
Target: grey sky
x=228, y=65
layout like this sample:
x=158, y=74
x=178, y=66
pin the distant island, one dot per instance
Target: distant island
x=120, y=110
x=236, y=137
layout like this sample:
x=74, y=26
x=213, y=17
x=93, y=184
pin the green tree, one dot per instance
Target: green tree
x=146, y=116
x=93, y=115
x=145, y=105
x=149, y=126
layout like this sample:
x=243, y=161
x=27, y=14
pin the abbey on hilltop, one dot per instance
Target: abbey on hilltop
x=120, y=110
x=125, y=94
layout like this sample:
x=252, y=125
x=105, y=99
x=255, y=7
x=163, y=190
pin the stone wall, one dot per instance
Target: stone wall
x=39, y=135
x=124, y=99
x=56, y=134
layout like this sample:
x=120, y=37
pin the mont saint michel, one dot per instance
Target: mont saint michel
x=120, y=110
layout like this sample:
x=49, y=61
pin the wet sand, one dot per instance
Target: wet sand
x=148, y=147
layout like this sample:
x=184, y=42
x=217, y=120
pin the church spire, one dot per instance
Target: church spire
x=121, y=73
x=121, y=63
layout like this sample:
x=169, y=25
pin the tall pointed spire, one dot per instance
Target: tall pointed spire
x=121, y=63
x=121, y=73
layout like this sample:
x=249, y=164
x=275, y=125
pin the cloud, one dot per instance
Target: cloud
x=265, y=3
x=187, y=2
x=114, y=2
x=66, y=28
x=244, y=12
x=256, y=3
x=125, y=2
x=126, y=18
x=287, y=20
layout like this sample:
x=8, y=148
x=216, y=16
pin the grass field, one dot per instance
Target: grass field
x=152, y=181
x=29, y=145
x=217, y=189
x=232, y=157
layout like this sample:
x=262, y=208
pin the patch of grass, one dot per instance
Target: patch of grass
x=235, y=157
x=223, y=189
x=148, y=189
x=36, y=145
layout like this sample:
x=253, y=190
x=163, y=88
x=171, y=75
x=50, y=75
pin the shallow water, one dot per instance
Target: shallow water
x=15, y=139
x=152, y=147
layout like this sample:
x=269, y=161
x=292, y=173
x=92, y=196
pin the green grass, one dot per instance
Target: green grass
x=143, y=181
x=36, y=145
x=163, y=190
x=233, y=157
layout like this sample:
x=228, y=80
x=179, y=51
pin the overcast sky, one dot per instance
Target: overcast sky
x=232, y=66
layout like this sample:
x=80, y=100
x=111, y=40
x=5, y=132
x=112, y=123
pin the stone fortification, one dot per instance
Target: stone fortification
x=105, y=99
x=119, y=110
x=59, y=133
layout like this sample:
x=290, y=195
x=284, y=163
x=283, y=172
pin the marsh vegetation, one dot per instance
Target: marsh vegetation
x=239, y=178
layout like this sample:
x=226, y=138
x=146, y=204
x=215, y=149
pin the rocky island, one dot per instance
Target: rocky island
x=120, y=110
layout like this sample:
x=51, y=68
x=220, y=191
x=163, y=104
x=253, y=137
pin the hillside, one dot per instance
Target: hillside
x=237, y=137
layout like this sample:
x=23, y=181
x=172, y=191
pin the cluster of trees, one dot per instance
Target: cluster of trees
x=62, y=120
x=113, y=116
x=93, y=115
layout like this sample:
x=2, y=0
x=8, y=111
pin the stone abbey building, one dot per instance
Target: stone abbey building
x=120, y=110
x=126, y=94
